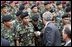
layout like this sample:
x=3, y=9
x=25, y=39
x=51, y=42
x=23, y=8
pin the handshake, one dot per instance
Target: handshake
x=37, y=33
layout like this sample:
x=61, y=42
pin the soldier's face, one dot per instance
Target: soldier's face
x=13, y=4
x=4, y=10
x=26, y=20
x=48, y=6
x=35, y=9
x=60, y=6
x=35, y=22
x=65, y=20
x=8, y=23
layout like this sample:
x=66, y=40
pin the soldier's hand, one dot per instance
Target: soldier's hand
x=37, y=33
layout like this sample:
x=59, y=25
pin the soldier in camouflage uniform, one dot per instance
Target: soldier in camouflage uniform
x=17, y=21
x=37, y=23
x=3, y=11
x=34, y=11
x=7, y=29
x=12, y=9
x=59, y=14
x=38, y=26
x=25, y=31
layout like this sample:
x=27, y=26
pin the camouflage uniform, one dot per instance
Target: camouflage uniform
x=59, y=18
x=12, y=11
x=16, y=22
x=8, y=34
x=25, y=34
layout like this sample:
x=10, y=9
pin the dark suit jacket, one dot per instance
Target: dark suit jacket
x=4, y=42
x=51, y=36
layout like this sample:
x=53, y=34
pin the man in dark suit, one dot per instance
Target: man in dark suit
x=67, y=35
x=4, y=42
x=50, y=34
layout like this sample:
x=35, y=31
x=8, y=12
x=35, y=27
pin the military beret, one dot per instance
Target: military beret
x=10, y=2
x=24, y=14
x=46, y=2
x=68, y=9
x=65, y=15
x=35, y=17
x=18, y=13
x=58, y=3
x=6, y=18
x=21, y=7
x=3, y=6
x=33, y=6
x=25, y=2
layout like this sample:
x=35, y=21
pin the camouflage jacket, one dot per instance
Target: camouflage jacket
x=25, y=34
x=8, y=34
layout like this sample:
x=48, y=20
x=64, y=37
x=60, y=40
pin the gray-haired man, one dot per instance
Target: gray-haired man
x=50, y=35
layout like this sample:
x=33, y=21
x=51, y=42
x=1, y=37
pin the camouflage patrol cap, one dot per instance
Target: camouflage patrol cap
x=6, y=18
x=24, y=14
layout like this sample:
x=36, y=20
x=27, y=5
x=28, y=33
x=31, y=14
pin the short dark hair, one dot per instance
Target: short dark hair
x=68, y=32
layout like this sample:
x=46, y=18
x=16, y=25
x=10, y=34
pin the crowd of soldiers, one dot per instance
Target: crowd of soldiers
x=21, y=19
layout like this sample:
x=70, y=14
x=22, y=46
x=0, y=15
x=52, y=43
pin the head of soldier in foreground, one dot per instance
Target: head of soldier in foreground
x=25, y=18
x=34, y=8
x=6, y=20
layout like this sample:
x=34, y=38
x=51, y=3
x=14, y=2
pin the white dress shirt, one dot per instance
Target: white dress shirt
x=67, y=43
